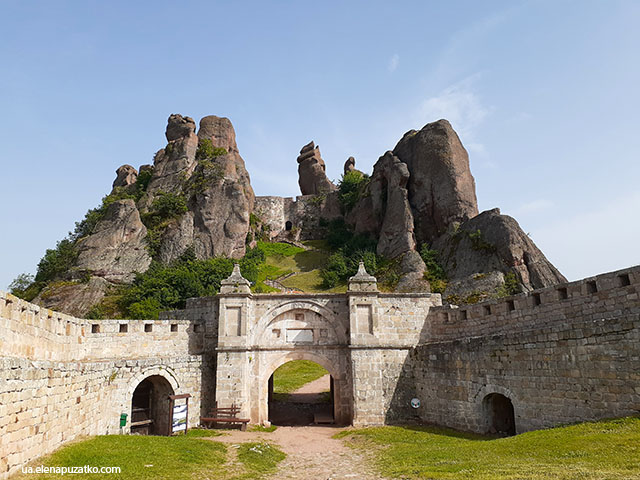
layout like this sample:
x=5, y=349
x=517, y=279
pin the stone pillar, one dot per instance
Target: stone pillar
x=368, y=404
x=233, y=372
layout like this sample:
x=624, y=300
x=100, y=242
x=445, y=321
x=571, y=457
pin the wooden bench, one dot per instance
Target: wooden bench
x=224, y=415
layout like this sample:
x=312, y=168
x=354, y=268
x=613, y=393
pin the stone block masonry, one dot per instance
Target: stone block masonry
x=560, y=354
x=62, y=377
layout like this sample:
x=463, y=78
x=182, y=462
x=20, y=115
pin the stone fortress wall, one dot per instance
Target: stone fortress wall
x=559, y=354
x=62, y=377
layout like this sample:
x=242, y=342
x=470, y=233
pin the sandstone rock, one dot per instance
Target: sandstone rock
x=441, y=187
x=73, y=298
x=385, y=212
x=220, y=131
x=412, y=270
x=179, y=127
x=117, y=248
x=349, y=165
x=491, y=242
x=125, y=175
x=221, y=211
x=312, y=177
x=173, y=164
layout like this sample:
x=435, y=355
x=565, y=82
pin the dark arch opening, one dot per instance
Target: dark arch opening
x=311, y=402
x=288, y=226
x=150, y=406
x=499, y=414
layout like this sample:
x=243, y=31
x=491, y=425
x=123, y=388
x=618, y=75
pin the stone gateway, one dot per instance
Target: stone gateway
x=556, y=355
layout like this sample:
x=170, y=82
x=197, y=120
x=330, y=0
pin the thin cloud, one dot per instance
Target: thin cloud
x=535, y=206
x=463, y=107
x=393, y=63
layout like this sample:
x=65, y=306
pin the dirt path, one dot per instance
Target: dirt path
x=311, y=453
x=311, y=392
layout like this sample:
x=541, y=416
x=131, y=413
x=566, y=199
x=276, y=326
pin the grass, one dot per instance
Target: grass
x=293, y=375
x=598, y=450
x=262, y=428
x=283, y=259
x=202, y=432
x=259, y=458
x=141, y=457
x=151, y=457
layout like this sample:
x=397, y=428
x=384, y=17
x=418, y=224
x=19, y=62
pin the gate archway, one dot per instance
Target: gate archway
x=150, y=412
x=499, y=414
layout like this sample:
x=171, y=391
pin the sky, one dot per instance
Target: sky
x=544, y=95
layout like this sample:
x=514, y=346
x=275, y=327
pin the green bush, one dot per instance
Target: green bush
x=206, y=150
x=511, y=286
x=167, y=287
x=23, y=286
x=88, y=224
x=165, y=206
x=56, y=261
x=435, y=273
x=349, y=249
x=352, y=186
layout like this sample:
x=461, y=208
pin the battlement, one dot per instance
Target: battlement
x=597, y=298
x=35, y=333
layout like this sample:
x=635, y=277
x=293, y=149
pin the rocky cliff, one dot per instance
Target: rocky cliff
x=419, y=204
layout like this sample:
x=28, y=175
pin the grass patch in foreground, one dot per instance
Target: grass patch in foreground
x=262, y=428
x=141, y=457
x=259, y=458
x=292, y=375
x=595, y=450
x=203, y=432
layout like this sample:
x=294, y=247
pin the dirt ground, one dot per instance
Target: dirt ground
x=311, y=452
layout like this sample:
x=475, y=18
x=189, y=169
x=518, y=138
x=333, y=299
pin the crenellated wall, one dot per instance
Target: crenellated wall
x=62, y=377
x=560, y=354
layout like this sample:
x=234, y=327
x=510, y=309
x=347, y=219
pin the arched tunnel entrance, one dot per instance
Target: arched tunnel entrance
x=499, y=414
x=301, y=392
x=150, y=406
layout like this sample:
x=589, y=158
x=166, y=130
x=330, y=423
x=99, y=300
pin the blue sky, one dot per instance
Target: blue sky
x=544, y=94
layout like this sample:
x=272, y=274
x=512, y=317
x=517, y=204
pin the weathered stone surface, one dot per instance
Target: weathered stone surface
x=74, y=298
x=384, y=211
x=312, y=177
x=491, y=242
x=172, y=165
x=117, y=248
x=125, y=175
x=221, y=211
x=441, y=187
x=349, y=165
x=179, y=127
x=412, y=270
x=220, y=131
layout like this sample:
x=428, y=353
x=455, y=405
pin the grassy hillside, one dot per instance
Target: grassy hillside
x=599, y=450
x=292, y=375
x=296, y=268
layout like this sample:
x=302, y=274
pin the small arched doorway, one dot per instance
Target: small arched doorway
x=288, y=225
x=499, y=414
x=150, y=406
x=301, y=392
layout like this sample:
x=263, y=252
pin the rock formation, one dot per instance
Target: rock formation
x=179, y=127
x=349, y=165
x=441, y=187
x=420, y=193
x=488, y=246
x=125, y=175
x=312, y=177
x=117, y=248
x=220, y=131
